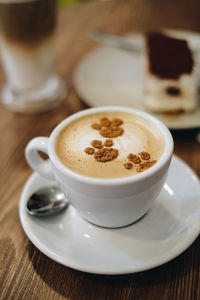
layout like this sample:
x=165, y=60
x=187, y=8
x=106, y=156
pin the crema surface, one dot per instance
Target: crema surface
x=138, y=135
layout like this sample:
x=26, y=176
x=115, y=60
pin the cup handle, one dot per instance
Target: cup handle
x=36, y=162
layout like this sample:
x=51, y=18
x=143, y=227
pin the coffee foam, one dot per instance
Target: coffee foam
x=27, y=42
x=138, y=136
x=27, y=68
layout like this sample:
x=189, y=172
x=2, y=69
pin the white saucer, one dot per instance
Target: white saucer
x=166, y=231
x=109, y=76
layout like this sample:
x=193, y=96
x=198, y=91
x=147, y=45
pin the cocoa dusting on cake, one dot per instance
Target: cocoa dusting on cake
x=144, y=155
x=174, y=114
x=128, y=165
x=97, y=144
x=106, y=154
x=89, y=150
x=108, y=143
x=96, y=126
x=145, y=165
x=134, y=158
x=168, y=57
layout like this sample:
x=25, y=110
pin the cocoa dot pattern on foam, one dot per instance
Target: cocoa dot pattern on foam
x=111, y=129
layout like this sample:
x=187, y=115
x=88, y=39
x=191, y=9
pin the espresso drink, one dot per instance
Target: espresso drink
x=27, y=32
x=109, y=145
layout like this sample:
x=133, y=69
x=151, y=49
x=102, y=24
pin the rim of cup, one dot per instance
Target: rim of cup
x=168, y=148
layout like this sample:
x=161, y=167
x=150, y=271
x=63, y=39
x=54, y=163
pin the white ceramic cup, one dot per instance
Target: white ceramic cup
x=109, y=202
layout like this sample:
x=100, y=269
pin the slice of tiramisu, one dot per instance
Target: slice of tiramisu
x=170, y=83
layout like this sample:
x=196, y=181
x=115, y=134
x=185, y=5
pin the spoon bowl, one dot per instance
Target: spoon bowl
x=46, y=201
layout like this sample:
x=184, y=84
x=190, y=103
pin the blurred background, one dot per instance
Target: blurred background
x=25, y=272
x=68, y=2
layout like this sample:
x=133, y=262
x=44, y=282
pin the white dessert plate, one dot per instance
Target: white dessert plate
x=110, y=76
x=167, y=230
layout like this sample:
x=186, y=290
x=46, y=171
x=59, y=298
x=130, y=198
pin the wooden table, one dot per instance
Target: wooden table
x=26, y=273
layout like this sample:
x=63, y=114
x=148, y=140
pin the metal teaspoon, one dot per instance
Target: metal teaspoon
x=46, y=201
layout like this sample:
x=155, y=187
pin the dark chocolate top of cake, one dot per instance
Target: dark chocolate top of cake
x=168, y=57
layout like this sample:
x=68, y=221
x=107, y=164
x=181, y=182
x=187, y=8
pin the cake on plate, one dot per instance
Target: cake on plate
x=170, y=77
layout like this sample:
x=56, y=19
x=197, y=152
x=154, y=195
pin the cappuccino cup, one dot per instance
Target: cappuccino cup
x=110, y=162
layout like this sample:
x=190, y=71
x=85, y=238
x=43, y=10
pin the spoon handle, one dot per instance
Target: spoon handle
x=114, y=41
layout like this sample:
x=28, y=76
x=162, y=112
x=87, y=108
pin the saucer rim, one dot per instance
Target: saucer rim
x=194, y=232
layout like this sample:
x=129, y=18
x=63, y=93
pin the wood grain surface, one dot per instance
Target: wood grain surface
x=25, y=273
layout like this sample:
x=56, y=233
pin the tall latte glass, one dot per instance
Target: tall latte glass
x=27, y=33
x=111, y=162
